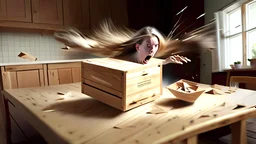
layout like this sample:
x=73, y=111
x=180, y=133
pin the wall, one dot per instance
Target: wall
x=208, y=61
x=44, y=47
x=211, y=6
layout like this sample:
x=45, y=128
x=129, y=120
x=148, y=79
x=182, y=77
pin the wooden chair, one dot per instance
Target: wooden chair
x=248, y=80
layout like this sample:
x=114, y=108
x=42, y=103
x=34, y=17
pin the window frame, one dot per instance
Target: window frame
x=242, y=5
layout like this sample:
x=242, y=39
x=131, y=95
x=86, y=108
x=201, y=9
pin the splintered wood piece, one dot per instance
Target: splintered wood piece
x=203, y=116
x=49, y=110
x=215, y=86
x=190, y=89
x=60, y=93
x=66, y=48
x=156, y=110
x=63, y=95
x=186, y=86
x=60, y=98
x=179, y=89
x=193, y=87
x=180, y=85
x=238, y=106
x=223, y=104
x=232, y=90
x=228, y=92
x=214, y=92
x=27, y=56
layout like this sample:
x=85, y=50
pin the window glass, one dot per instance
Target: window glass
x=251, y=44
x=251, y=15
x=234, y=22
x=234, y=51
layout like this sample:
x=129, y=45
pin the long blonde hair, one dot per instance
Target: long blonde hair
x=109, y=40
x=112, y=41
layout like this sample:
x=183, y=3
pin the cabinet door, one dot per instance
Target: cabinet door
x=15, y=10
x=22, y=76
x=64, y=73
x=76, y=13
x=47, y=11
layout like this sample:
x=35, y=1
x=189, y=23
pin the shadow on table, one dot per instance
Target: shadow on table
x=83, y=107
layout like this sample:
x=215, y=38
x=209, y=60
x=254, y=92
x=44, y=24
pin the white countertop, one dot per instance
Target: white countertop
x=41, y=62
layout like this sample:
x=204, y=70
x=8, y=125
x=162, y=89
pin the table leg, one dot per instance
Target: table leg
x=239, y=132
x=192, y=140
x=228, y=78
x=5, y=121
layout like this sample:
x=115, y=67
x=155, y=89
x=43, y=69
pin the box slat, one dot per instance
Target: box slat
x=102, y=96
x=142, y=83
x=151, y=92
x=105, y=76
x=104, y=88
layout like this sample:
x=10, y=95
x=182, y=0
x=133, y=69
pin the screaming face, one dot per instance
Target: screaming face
x=147, y=49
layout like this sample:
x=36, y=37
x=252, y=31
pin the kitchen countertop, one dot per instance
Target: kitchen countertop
x=41, y=62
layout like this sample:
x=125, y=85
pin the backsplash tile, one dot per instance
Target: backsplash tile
x=44, y=47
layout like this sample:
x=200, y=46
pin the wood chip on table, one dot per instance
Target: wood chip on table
x=156, y=110
x=203, y=116
x=49, y=110
x=223, y=104
x=63, y=95
x=214, y=92
x=60, y=93
x=216, y=86
x=239, y=106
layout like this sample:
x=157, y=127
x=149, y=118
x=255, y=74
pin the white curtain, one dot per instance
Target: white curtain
x=218, y=55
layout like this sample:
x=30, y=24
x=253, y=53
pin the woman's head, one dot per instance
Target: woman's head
x=144, y=44
x=147, y=49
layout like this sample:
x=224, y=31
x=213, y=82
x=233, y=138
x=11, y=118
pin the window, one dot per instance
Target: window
x=237, y=36
x=251, y=29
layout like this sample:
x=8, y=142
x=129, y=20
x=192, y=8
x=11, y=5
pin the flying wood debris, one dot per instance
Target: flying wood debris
x=27, y=56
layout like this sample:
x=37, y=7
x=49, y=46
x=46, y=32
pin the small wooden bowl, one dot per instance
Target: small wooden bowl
x=192, y=93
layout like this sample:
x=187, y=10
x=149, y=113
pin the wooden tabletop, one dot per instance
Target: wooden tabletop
x=77, y=118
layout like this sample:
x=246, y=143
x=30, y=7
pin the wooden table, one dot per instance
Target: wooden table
x=78, y=119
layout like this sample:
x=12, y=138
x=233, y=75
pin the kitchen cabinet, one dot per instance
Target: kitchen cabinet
x=76, y=13
x=15, y=10
x=58, y=14
x=47, y=11
x=33, y=75
x=23, y=76
x=64, y=73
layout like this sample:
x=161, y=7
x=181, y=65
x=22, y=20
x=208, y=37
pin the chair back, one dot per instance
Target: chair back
x=249, y=81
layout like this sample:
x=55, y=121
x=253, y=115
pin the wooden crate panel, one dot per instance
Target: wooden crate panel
x=102, y=96
x=105, y=76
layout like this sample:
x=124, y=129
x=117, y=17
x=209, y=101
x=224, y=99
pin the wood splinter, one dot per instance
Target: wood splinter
x=27, y=56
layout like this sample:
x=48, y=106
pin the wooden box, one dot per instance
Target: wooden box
x=122, y=84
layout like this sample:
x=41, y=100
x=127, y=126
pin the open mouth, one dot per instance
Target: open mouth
x=147, y=59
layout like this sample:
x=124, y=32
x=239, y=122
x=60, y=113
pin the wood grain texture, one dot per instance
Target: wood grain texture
x=65, y=121
x=76, y=13
x=65, y=76
x=239, y=132
x=137, y=83
x=15, y=10
x=47, y=11
x=29, y=78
